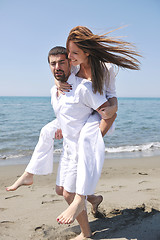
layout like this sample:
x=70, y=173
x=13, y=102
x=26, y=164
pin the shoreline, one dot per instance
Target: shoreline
x=130, y=209
x=108, y=156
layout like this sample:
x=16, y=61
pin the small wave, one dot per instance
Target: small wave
x=58, y=150
x=135, y=148
x=4, y=157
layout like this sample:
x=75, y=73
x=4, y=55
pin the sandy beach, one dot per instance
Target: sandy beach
x=130, y=209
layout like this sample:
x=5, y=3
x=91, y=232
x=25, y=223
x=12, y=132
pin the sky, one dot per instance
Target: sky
x=30, y=28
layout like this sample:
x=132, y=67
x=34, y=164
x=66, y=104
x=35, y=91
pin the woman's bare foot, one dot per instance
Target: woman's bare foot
x=71, y=213
x=95, y=201
x=81, y=237
x=25, y=180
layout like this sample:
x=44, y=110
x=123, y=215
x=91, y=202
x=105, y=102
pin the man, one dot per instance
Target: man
x=71, y=126
x=72, y=111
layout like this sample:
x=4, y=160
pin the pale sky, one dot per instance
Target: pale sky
x=30, y=28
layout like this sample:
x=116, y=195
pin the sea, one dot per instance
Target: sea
x=137, y=128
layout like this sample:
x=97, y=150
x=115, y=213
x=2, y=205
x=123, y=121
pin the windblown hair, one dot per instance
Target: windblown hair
x=101, y=49
x=57, y=50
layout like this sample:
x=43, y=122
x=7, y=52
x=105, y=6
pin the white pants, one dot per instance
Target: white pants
x=87, y=161
x=41, y=162
x=67, y=169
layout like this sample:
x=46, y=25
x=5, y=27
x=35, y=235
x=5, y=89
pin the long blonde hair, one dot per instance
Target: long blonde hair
x=101, y=49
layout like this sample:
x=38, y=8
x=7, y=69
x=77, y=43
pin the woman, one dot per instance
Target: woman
x=94, y=54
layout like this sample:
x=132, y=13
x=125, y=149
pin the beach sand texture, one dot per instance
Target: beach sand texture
x=130, y=209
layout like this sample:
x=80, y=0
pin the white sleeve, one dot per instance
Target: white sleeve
x=110, y=79
x=90, y=99
x=53, y=94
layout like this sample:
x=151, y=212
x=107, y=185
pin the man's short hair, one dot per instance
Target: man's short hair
x=57, y=50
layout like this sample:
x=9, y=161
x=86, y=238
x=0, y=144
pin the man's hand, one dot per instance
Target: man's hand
x=58, y=134
x=109, y=108
x=107, y=112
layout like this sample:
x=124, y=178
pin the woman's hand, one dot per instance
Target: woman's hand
x=63, y=86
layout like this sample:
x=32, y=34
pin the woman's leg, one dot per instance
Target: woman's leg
x=41, y=162
x=25, y=180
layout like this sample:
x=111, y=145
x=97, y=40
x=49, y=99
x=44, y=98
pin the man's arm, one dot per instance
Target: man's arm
x=105, y=124
x=107, y=121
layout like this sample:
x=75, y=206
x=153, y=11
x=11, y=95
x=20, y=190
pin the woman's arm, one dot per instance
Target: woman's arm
x=63, y=86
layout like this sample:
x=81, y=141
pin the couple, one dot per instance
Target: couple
x=82, y=128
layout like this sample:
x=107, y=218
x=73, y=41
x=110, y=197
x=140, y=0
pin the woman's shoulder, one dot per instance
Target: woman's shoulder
x=84, y=85
x=75, y=69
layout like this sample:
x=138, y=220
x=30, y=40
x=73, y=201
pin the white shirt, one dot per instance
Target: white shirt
x=74, y=108
x=109, y=79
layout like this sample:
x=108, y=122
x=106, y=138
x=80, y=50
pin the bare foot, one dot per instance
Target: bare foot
x=95, y=203
x=25, y=180
x=81, y=237
x=71, y=213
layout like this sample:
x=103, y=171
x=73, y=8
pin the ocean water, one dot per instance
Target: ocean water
x=137, y=132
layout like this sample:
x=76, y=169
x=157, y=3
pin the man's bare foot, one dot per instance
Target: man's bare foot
x=95, y=203
x=71, y=213
x=25, y=180
x=81, y=237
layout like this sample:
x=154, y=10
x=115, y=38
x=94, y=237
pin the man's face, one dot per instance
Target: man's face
x=60, y=67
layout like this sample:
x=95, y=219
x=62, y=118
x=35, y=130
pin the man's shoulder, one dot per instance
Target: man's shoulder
x=53, y=90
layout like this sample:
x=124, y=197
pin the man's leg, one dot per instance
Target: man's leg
x=75, y=208
x=82, y=218
x=95, y=202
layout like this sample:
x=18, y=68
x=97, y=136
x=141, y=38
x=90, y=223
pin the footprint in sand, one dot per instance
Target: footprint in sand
x=44, y=231
x=13, y=196
x=3, y=209
x=143, y=173
x=51, y=201
x=49, y=195
x=116, y=188
x=52, y=196
x=5, y=223
x=146, y=189
x=143, y=182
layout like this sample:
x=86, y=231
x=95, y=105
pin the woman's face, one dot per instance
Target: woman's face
x=77, y=55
